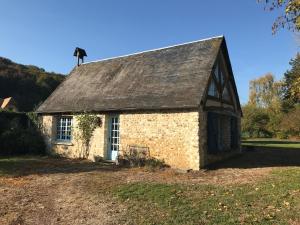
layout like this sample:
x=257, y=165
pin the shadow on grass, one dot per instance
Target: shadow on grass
x=268, y=142
x=28, y=165
x=254, y=157
x=258, y=157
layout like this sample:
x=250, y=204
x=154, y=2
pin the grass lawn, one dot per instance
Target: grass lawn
x=79, y=192
x=275, y=200
x=15, y=165
x=269, y=142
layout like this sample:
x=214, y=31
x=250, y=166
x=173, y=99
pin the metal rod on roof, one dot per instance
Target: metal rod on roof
x=78, y=59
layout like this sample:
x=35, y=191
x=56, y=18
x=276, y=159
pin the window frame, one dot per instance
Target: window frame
x=114, y=129
x=216, y=88
x=229, y=100
x=220, y=82
x=64, y=130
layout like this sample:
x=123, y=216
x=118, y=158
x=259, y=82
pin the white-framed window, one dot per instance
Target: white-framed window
x=64, y=128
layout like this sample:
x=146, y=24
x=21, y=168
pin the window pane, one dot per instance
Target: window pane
x=64, y=129
x=225, y=94
x=222, y=78
x=216, y=72
x=114, y=133
x=213, y=91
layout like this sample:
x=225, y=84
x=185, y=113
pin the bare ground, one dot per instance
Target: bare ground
x=59, y=191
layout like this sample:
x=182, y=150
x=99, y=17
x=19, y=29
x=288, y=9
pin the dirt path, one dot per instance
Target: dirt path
x=54, y=199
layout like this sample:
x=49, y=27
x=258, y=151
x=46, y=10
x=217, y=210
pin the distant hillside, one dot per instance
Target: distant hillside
x=28, y=85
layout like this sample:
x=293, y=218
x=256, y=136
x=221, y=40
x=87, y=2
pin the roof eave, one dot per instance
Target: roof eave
x=181, y=108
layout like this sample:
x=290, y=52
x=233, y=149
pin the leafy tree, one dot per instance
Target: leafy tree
x=28, y=85
x=255, y=121
x=273, y=107
x=290, y=123
x=292, y=82
x=265, y=99
x=290, y=17
x=265, y=92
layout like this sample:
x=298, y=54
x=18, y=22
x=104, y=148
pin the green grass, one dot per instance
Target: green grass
x=264, y=142
x=28, y=165
x=272, y=201
x=14, y=166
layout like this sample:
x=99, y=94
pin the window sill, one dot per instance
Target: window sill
x=62, y=143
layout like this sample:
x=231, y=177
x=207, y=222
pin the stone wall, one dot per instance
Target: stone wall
x=74, y=148
x=172, y=137
x=178, y=138
x=169, y=136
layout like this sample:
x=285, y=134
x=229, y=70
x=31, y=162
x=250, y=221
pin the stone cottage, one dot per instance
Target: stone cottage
x=180, y=103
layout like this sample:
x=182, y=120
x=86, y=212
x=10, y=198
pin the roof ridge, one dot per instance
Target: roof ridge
x=153, y=50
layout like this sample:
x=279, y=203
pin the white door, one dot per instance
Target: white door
x=113, y=137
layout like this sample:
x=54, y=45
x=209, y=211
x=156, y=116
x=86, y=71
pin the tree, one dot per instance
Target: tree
x=255, y=121
x=290, y=123
x=265, y=92
x=265, y=97
x=28, y=85
x=274, y=106
x=289, y=19
x=292, y=82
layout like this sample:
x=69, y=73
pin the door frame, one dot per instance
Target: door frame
x=111, y=153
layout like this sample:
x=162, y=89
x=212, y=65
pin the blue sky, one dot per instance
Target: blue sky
x=45, y=33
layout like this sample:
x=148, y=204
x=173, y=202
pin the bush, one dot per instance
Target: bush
x=255, y=122
x=290, y=124
x=154, y=163
x=140, y=159
x=16, y=138
x=282, y=135
x=21, y=141
x=4, y=124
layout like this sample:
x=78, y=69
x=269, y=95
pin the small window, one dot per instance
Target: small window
x=64, y=129
x=216, y=72
x=213, y=90
x=222, y=78
x=219, y=75
x=225, y=94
